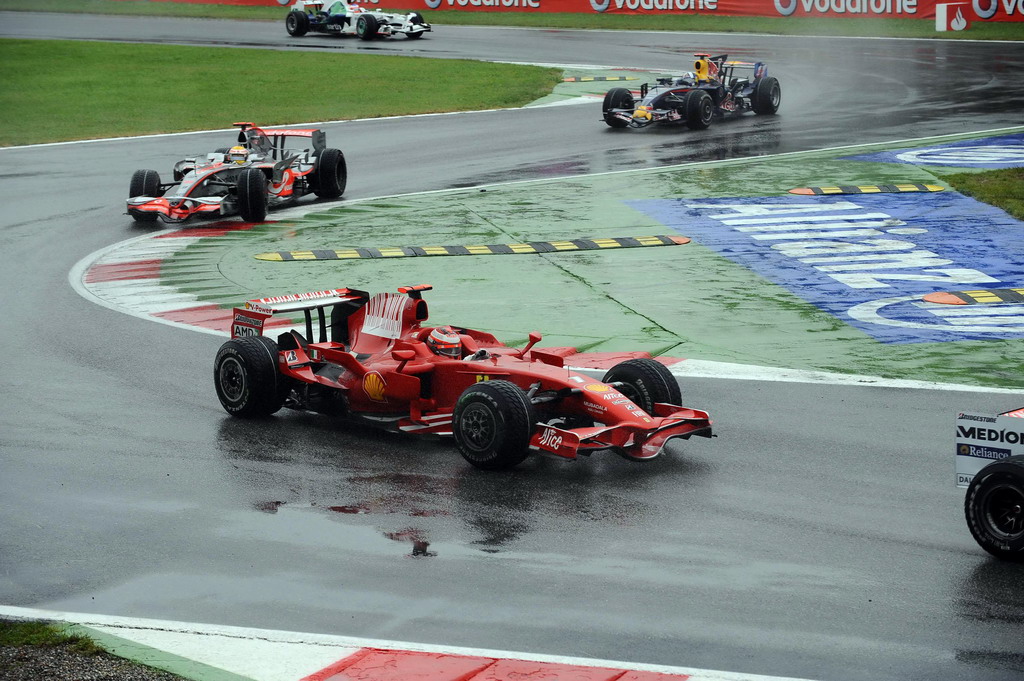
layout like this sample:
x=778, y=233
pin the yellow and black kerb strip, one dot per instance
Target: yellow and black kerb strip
x=590, y=79
x=868, y=189
x=980, y=297
x=528, y=248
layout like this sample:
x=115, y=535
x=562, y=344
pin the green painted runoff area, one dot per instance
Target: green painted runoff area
x=683, y=301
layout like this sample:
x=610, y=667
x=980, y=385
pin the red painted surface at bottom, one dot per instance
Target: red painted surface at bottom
x=123, y=271
x=403, y=665
x=212, y=317
x=394, y=665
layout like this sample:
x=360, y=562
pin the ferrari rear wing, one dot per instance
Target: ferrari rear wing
x=249, y=319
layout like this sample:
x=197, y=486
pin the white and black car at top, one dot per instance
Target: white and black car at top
x=716, y=88
x=272, y=174
x=343, y=18
x=990, y=464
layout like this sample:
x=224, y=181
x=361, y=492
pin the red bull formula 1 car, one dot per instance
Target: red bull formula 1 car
x=715, y=88
x=260, y=172
x=374, y=360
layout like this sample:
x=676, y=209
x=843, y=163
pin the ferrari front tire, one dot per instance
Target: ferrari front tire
x=246, y=377
x=767, y=96
x=297, y=23
x=252, y=195
x=367, y=26
x=616, y=98
x=645, y=382
x=144, y=183
x=330, y=176
x=994, y=508
x=699, y=109
x=492, y=425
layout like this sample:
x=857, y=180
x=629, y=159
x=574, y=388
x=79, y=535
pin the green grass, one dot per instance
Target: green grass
x=1001, y=188
x=899, y=28
x=66, y=90
x=36, y=634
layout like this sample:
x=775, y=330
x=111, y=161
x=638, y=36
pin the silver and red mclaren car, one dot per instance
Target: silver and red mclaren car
x=262, y=171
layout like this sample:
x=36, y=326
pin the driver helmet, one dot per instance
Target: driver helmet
x=444, y=341
x=238, y=155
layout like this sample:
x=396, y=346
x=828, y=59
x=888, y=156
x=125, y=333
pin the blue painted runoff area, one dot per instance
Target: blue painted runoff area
x=991, y=153
x=868, y=259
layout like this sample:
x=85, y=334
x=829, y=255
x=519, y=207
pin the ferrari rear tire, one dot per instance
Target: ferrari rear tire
x=367, y=26
x=767, y=96
x=297, y=23
x=246, y=377
x=645, y=382
x=252, y=195
x=144, y=183
x=330, y=176
x=616, y=98
x=994, y=508
x=492, y=424
x=700, y=109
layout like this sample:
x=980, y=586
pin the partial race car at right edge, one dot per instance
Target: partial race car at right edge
x=990, y=464
x=715, y=88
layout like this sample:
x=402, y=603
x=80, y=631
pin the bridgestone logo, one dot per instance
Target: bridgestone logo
x=242, y=319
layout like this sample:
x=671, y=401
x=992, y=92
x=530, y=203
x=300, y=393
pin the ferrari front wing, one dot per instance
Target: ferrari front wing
x=636, y=441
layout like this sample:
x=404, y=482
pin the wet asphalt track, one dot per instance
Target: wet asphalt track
x=819, y=536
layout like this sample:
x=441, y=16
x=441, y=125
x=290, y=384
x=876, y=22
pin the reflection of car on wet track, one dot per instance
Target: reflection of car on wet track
x=341, y=17
x=258, y=173
x=715, y=88
x=371, y=359
x=990, y=463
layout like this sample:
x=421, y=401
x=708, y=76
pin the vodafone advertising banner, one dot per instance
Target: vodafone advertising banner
x=966, y=10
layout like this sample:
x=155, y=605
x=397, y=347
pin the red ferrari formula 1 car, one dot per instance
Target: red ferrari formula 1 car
x=259, y=172
x=372, y=359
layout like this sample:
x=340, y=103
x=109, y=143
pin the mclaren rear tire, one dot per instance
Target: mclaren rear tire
x=252, y=195
x=645, y=382
x=492, y=424
x=330, y=176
